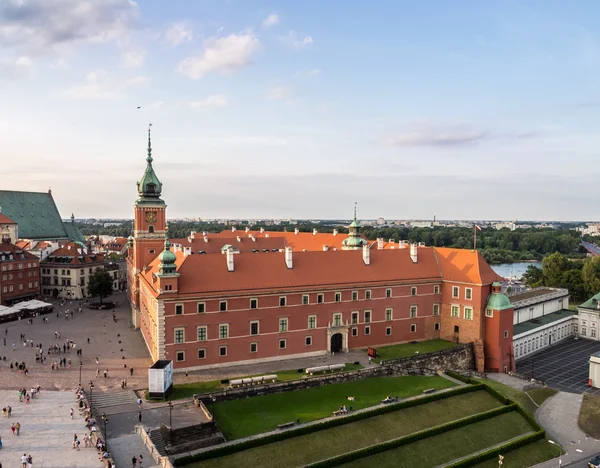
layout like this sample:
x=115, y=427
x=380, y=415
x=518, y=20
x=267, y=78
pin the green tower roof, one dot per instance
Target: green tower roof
x=498, y=301
x=149, y=187
x=591, y=303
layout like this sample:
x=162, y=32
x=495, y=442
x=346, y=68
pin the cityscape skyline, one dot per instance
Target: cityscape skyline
x=273, y=110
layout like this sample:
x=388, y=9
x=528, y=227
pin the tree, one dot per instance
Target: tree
x=533, y=276
x=573, y=281
x=591, y=275
x=100, y=284
x=554, y=266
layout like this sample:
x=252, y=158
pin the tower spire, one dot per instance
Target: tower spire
x=149, y=158
x=355, y=203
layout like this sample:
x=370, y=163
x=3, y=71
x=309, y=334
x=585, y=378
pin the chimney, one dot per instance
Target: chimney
x=190, y=239
x=205, y=239
x=267, y=235
x=366, y=255
x=193, y=234
x=315, y=231
x=239, y=239
x=380, y=243
x=325, y=247
x=335, y=232
x=288, y=257
x=204, y=233
x=402, y=244
x=413, y=252
x=262, y=230
x=229, y=259
x=247, y=229
x=296, y=231
x=187, y=251
x=253, y=238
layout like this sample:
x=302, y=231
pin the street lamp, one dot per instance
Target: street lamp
x=105, y=421
x=170, y=416
x=91, y=395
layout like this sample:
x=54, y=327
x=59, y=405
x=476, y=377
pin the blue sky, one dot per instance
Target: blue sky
x=470, y=110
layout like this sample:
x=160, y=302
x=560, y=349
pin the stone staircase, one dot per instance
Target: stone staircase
x=158, y=441
x=100, y=400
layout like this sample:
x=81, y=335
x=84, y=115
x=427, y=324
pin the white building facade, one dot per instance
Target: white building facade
x=589, y=315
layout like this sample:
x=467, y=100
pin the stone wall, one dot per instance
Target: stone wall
x=458, y=358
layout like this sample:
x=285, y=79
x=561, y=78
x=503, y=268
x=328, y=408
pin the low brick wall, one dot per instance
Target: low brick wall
x=460, y=357
x=311, y=382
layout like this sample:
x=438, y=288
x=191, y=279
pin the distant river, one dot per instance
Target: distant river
x=513, y=269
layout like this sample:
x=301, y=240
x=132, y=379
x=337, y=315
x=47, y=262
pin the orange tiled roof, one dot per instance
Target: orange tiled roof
x=74, y=254
x=205, y=274
x=301, y=241
x=466, y=266
x=245, y=244
x=8, y=248
x=23, y=244
x=116, y=244
x=5, y=219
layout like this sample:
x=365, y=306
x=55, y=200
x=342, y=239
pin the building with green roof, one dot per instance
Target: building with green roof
x=37, y=216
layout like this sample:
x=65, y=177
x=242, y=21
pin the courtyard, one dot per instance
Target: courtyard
x=564, y=366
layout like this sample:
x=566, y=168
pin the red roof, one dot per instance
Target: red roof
x=245, y=244
x=301, y=241
x=5, y=219
x=465, y=266
x=73, y=254
x=8, y=248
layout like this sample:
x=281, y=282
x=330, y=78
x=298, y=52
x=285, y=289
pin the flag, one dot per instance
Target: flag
x=477, y=227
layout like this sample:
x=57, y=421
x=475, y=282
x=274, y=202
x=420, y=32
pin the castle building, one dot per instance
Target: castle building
x=234, y=304
x=19, y=278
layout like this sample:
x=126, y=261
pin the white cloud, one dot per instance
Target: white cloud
x=428, y=134
x=270, y=20
x=294, y=41
x=310, y=73
x=101, y=85
x=133, y=58
x=224, y=54
x=178, y=33
x=18, y=69
x=213, y=100
x=280, y=93
x=39, y=25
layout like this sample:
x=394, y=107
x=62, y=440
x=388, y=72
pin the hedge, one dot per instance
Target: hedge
x=409, y=439
x=457, y=376
x=503, y=449
x=468, y=380
x=279, y=436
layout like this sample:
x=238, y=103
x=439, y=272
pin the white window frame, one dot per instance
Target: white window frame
x=436, y=309
x=226, y=306
x=201, y=327
x=436, y=289
x=284, y=300
x=257, y=322
x=284, y=341
x=505, y=333
x=388, y=331
x=182, y=309
x=225, y=348
x=337, y=295
x=226, y=334
x=389, y=310
x=337, y=320
x=489, y=312
x=321, y=298
x=305, y=299
x=198, y=353
x=177, y=355
x=203, y=304
x=354, y=331
x=456, y=289
x=355, y=314
x=413, y=291
x=452, y=307
x=413, y=327
x=308, y=340
x=468, y=292
x=355, y=295
x=175, y=330
x=368, y=294
x=255, y=344
x=470, y=309
x=309, y=317
x=388, y=293
x=413, y=311
x=368, y=330
x=370, y=314
x=256, y=303
x=284, y=325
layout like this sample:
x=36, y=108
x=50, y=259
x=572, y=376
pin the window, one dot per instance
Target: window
x=282, y=344
x=505, y=333
x=222, y=351
x=150, y=251
x=201, y=307
x=223, y=306
x=413, y=327
x=413, y=311
x=388, y=331
x=455, y=311
x=489, y=313
x=388, y=314
x=168, y=287
x=367, y=330
x=468, y=293
x=436, y=326
x=254, y=303
x=354, y=318
x=305, y=299
x=367, y=316
x=337, y=320
x=320, y=298
x=312, y=321
x=180, y=355
x=388, y=293
x=355, y=295
x=455, y=291
x=367, y=294
x=282, y=301
x=202, y=353
x=308, y=340
x=436, y=289
x=355, y=331
x=468, y=313
x=254, y=328
x=593, y=332
x=338, y=297
x=253, y=347
x=224, y=330
x=283, y=325
x=178, y=309
x=179, y=335
x=436, y=309
x=202, y=331
x=413, y=291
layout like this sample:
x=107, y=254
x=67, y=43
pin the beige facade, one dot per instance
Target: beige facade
x=67, y=281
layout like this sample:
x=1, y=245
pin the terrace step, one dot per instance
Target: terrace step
x=158, y=441
x=108, y=399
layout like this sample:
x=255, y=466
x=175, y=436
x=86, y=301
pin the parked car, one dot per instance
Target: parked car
x=594, y=462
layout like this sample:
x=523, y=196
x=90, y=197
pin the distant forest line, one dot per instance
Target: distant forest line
x=496, y=246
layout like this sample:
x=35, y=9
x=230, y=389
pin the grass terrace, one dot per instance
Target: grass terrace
x=589, y=416
x=187, y=390
x=242, y=418
x=310, y=448
x=539, y=395
x=524, y=457
x=410, y=349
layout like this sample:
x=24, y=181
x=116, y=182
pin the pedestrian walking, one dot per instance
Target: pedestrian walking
x=139, y=402
x=71, y=413
x=9, y=410
x=105, y=373
x=12, y=428
x=97, y=361
x=24, y=460
x=29, y=461
x=97, y=372
x=18, y=427
x=131, y=371
x=140, y=460
x=139, y=416
x=133, y=462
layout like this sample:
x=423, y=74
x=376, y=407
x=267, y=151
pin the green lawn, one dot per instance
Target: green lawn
x=450, y=445
x=316, y=446
x=241, y=418
x=516, y=395
x=589, y=415
x=189, y=389
x=532, y=454
x=540, y=395
x=408, y=349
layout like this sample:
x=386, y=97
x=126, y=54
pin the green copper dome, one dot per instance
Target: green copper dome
x=149, y=187
x=167, y=259
x=497, y=300
x=353, y=241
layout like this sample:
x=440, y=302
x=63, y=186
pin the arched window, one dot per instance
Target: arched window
x=151, y=229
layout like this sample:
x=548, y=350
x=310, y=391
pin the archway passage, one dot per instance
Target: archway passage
x=336, y=343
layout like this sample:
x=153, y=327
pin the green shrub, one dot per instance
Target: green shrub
x=457, y=376
x=221, y=451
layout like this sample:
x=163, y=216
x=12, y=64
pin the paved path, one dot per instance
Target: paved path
x=126, y=447
x=46, y=432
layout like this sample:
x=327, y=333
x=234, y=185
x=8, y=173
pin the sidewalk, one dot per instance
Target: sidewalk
x=124, y=448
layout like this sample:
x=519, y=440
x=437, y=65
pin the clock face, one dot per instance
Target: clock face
x=151, y=217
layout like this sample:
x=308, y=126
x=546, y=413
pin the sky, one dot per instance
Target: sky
x=462, y=110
